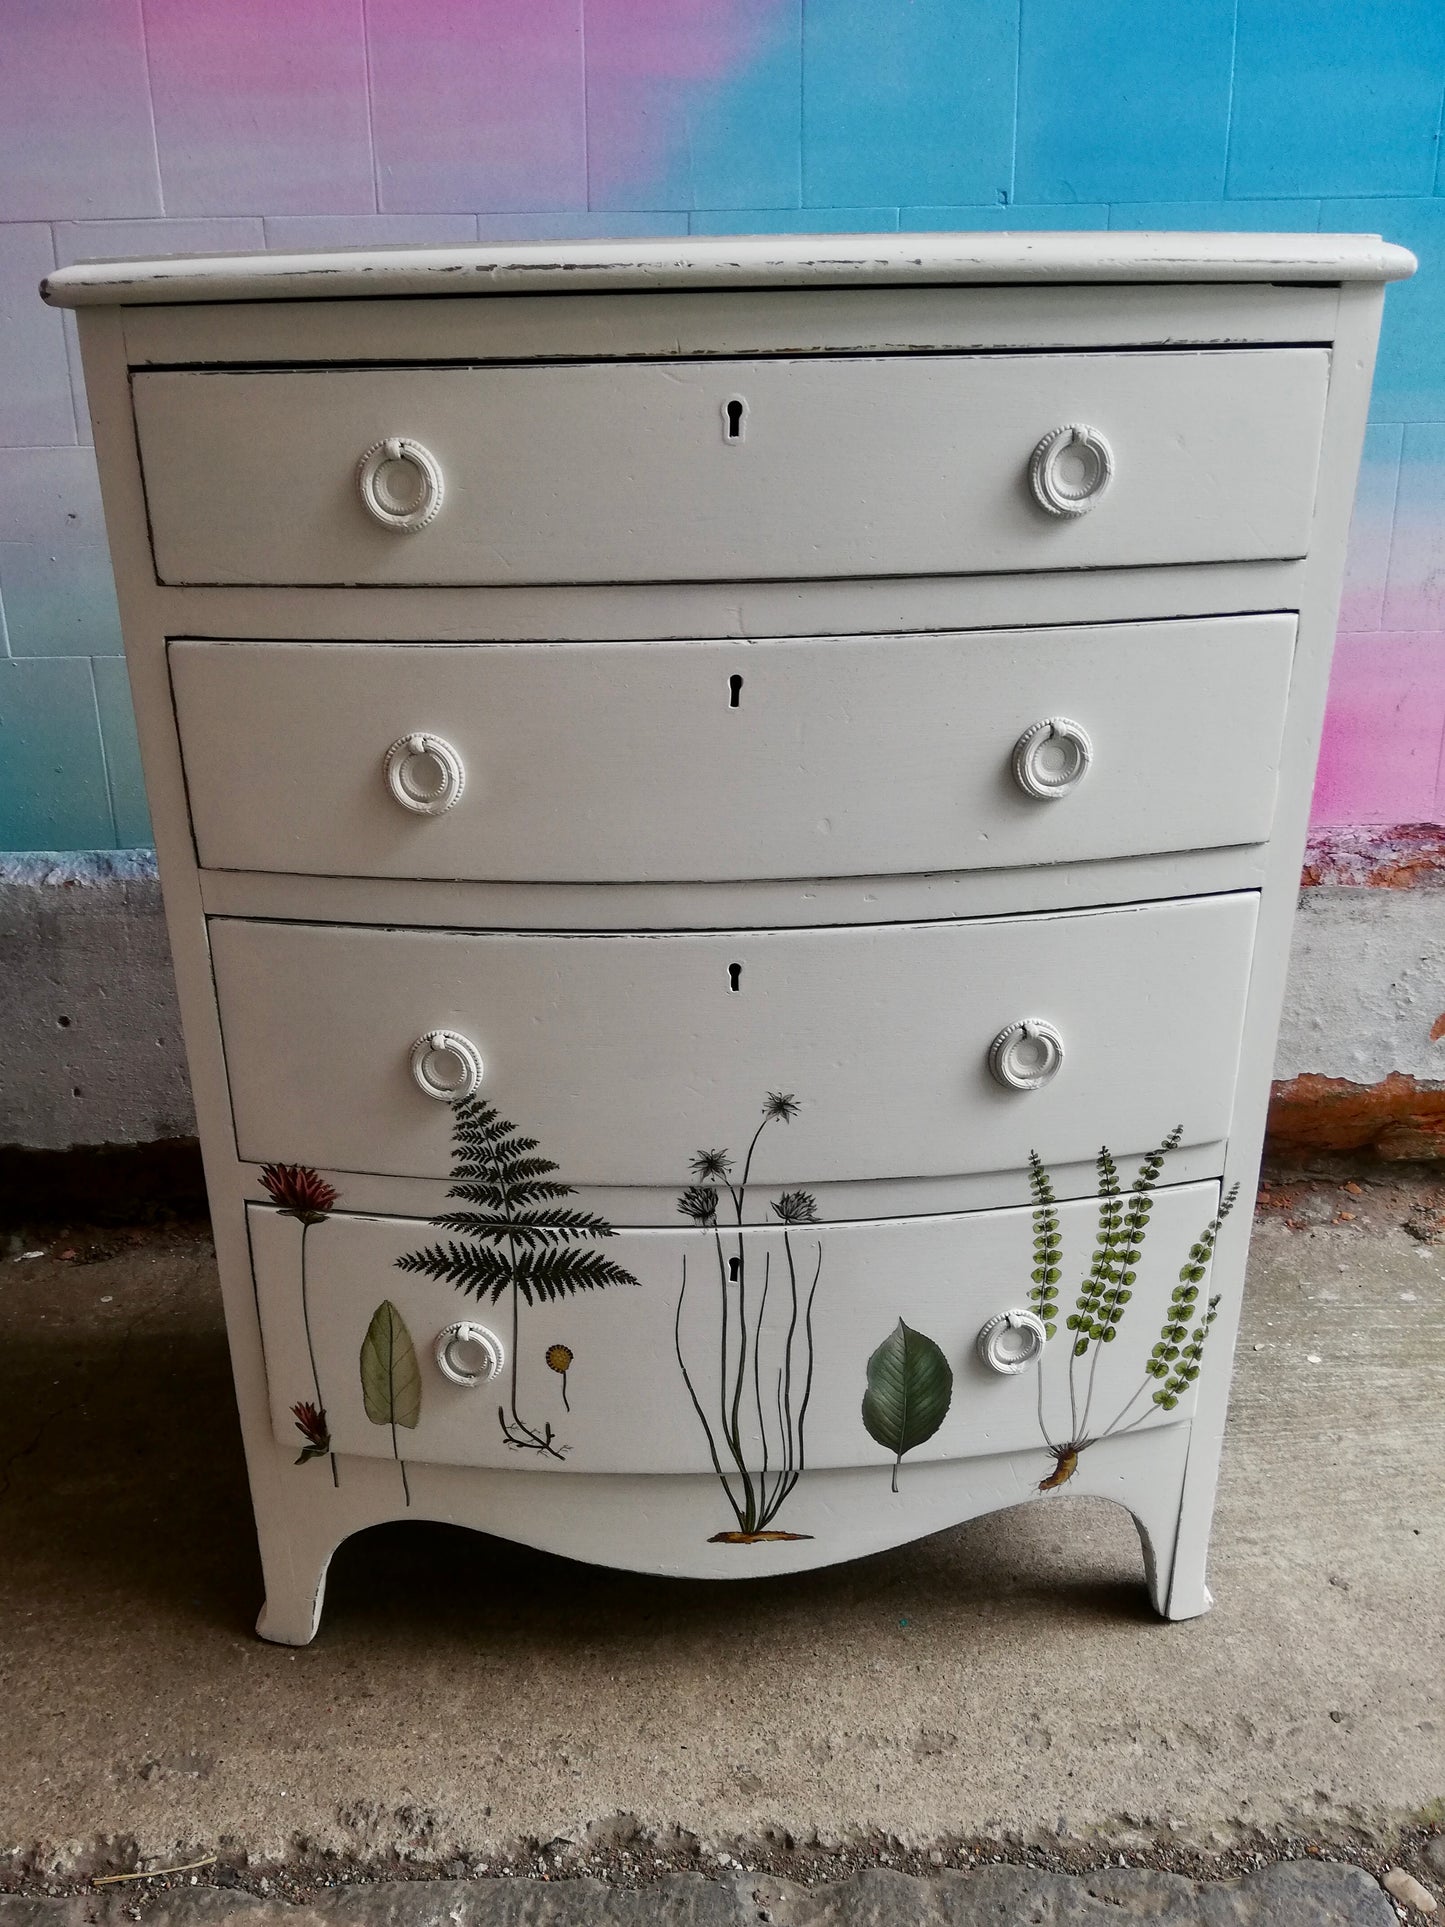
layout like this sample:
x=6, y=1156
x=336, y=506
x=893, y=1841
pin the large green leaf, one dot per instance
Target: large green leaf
x=390, y=1378
x=910, y=1388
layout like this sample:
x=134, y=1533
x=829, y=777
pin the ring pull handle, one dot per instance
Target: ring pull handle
x=1012, y=1342
x=446, y=1065
x=1071, y=469
x=401, y=484
x=1052, y=758
x=1026, y=1055
x=469, y=1355
x=424, y=773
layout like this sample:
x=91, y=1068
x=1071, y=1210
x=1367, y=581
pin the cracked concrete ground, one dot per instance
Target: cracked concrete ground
x=1308, y=1894
x=467, y=1700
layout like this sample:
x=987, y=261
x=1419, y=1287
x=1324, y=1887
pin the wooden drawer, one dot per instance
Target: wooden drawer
x=657, y=761
x=623, y=1054
x=600, y=1384
x=625, y=471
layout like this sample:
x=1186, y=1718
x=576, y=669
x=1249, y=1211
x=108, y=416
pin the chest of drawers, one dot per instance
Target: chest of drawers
x=729, y=816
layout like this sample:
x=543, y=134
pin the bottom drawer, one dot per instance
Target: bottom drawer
x=754, y=1354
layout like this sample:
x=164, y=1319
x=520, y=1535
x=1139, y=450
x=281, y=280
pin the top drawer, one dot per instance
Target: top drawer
x=712, y=470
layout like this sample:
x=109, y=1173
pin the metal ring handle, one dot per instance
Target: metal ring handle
x=1052, y=757
x=449, y=1354
x=1055, y=487
x=435, y=1044
x=1012, y=1342
x=1026, y=1055
x=430, y=792
x=401, y=484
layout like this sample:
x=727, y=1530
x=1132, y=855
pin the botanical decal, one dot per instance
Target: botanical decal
x=1104, y=1295
x=559, y=1360
x=302, y=1194
x=525, y=1242
x=910, y=1388
x=764, y=1380
x=391, y=1378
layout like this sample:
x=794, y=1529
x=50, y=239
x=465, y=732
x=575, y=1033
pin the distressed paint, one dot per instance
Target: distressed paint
x=286, y=126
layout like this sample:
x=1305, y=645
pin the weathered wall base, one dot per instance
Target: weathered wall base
x=90, y=1046
x=90, y=1052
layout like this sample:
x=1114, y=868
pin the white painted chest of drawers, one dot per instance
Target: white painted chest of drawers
x=697, y=787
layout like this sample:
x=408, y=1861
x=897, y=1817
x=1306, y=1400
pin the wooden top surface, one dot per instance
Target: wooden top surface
x=790, y=261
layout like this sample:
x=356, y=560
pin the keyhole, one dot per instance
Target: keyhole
x=735, y=1265
x=734, y=415
x=735, y=691
x=735, y=976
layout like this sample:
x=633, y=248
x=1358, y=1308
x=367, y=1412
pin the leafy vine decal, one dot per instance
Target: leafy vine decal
x=1104, y=1296
x=526, y=1243
x=769, y=1389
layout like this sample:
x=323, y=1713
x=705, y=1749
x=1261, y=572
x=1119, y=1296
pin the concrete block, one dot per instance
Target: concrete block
x=477, y=106
x=90, y=1052
x=53, y=793
x=1332, y=99
x=1094, y=123
x=256, y=111
x=694, y=106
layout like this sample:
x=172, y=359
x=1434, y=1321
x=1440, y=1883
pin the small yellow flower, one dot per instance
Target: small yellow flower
x=559, y=1357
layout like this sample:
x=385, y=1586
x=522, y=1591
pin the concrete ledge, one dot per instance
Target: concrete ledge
x=90, y=1051
x=1305, y=1893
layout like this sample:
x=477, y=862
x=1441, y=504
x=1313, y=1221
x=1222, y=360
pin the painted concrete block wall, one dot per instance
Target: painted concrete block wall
x=158, y=126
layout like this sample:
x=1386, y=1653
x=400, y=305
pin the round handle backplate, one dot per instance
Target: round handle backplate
x=1052, y=758
x=1071, y=469
x=469, y=1354
x=401, y=484
x=424, y=773
x=1026, y=1055
x=1012, y=1342
x=446, y=1065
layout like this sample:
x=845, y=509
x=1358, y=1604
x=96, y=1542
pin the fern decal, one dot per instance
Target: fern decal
x=1104, y=1297
x=528, y=1244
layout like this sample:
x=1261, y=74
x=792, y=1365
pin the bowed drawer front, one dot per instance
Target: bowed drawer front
x=625, y=1405
x=623, y=1054
x=811, y=757
x=688, y=471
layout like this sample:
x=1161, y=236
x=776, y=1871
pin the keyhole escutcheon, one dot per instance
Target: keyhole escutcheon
x=735, y=976
x=735, y=692
x=735, y=419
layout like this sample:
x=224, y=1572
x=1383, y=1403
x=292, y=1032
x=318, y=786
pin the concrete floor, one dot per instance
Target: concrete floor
x=465, y=1695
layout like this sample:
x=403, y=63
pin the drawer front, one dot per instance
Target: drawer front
x=606, y=1377
x=656, y=761
x=626, y=471
x=623, y=1054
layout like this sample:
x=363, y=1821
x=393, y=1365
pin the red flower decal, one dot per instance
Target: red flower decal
x=311, y=1424
x=299, y=1191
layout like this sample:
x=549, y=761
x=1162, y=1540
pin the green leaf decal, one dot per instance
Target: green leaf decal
x=910, y=1388
x=390, y=1379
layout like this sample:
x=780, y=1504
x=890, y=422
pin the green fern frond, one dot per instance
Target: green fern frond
x=525, y=1237
x=498, y=1197
x=551, y=1226
x=553, y=1274
x=1048, y=1246
x=479, y=1271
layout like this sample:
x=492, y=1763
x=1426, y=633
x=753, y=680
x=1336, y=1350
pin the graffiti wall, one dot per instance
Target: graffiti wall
x=160, y=126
